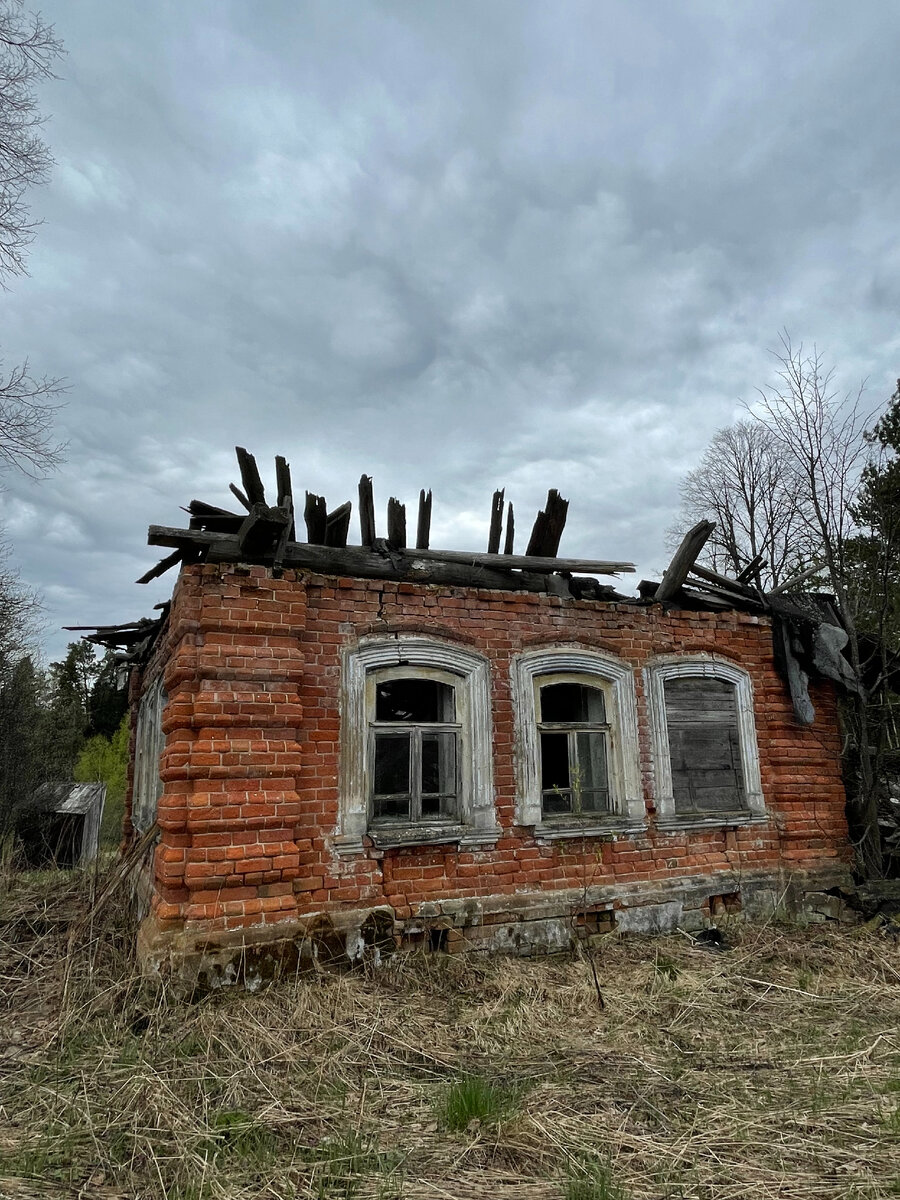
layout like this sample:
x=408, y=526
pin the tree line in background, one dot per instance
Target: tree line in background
x=809, y=481
x=65, y=723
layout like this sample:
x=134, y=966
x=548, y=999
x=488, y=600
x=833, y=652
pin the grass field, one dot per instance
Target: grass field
x=772, y=1070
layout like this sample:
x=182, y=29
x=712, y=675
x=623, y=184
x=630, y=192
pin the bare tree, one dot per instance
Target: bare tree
x=821, y=433
x=28, y=51
x=746, y=485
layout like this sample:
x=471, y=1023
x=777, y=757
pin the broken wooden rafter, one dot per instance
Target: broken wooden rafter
x=366, y=511
x=496, y=528
x=510, y=542
x=242, y=499
x=724, y=581
x=548, y=526
x=396, y=524
x=253, y=485
x=795, y=580
x=161, y=567
x=683, y=559
x=423, y=524
x=299, y=554
x=337, y=525
x=285, y=490
x=261, y=530
x=752, y=569
x=316, y=517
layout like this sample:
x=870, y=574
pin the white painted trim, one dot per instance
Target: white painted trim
x=477, y=812
x=699, y=666
x=618, y=677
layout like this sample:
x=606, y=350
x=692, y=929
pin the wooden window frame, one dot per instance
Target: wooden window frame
x=703, y=666
x=414, y=730
x=415, y=656
x=572, y=729
x=615, y=677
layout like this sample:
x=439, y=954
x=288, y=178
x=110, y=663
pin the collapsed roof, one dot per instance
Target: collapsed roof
x=809, y=638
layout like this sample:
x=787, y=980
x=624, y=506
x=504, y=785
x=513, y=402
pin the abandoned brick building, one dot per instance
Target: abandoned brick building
x=344, y=749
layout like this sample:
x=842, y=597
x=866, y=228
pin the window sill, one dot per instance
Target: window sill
x=394, y=837
x=610, y=827
x=672, y=824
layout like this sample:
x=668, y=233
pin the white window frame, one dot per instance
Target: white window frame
x=420, y=657
x=702, y=666
x=615, y=678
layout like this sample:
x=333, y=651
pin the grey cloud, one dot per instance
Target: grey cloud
x=456, y=246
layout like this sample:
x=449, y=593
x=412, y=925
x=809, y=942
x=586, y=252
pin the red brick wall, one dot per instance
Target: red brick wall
x=251, y=766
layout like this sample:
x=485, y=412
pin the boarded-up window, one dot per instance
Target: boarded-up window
x=704, y=746
x=149, y=746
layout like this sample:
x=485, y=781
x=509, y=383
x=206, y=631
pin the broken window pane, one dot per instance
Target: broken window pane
x=591, y=781
x=419, y=700
x=391, y=784
x=438, y=763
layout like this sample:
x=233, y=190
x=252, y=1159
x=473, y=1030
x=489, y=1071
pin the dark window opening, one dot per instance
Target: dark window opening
x=414, y=751
x=574, y=738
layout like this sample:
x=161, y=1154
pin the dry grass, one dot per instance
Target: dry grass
x=770, y=1071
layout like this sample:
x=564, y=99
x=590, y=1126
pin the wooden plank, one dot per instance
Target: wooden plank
x=253, y=485
x=423, y=524
x=315, y=517
x=161, y=535
x=337, y=525
x=199, y=508
x=236, y=491
x=723, y=581
x=286, y=535
x=752, y=569
x=510, y=543
x=285, y=489
x=496, y=528
x=525, y=562
x=361, y=562
x=683, y=559
x=795, y=580
x=548, y=526
x=161, y=567
x=261, y=530
x=396, y=523
x=366, y=511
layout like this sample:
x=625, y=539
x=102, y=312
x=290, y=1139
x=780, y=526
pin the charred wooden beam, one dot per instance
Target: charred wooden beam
x=423, y=524
x=199, y=508
x=752, y=569
x=795, y=580
x=396, y=523
x=236, y=491
x=261, y=529
x=253, y=485
x=316, y=517
x=683, y=559
x=724, y=581
x=285, y=489
x=510, y=542
x=337, y=525
x=161, y=567
x=286, y=536
x=496, y=528
x=548, y=526
x=164, y=536
x=366, y=511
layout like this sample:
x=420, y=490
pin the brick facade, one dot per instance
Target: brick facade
x=249, y=814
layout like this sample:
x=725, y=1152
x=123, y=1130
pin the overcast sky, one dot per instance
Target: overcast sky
x=457, y=245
